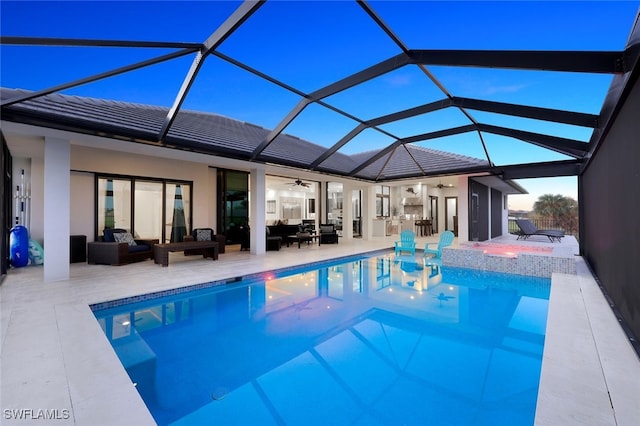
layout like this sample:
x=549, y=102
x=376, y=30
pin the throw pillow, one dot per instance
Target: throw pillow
x=124, y=237
x=203, y=235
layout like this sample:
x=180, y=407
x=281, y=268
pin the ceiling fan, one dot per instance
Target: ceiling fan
x=440, y=185
x=298, y=182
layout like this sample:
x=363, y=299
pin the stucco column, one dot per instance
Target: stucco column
x=57, y=209
x=368, y=211
x=257, y=206
x=347, y=211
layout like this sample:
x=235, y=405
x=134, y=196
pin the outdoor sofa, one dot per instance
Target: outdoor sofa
x=284, y=231
x=117, y=247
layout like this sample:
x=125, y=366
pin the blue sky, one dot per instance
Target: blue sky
x=309, y=45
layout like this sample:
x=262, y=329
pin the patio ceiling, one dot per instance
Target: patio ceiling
x=378, y=93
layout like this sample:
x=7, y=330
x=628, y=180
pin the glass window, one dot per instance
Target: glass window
x=382, y=200
x=334, y=204
x=177, y=211
x=114, y=204
x=148, y=210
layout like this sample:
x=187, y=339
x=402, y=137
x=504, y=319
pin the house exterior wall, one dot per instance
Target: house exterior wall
x=610, y=206
x=82, y=204
x=493, y=216
x=36, y=210
x=86, y=161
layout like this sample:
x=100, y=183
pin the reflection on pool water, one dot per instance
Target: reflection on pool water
x=372, y=340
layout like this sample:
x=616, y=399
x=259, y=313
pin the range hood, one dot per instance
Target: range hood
x=412, y=201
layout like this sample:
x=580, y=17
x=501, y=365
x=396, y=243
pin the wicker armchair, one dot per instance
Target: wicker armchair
x=205, y=234
x=328, y=234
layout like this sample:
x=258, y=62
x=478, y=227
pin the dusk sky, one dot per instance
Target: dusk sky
x=308, y=45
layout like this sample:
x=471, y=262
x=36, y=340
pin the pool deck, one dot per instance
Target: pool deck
x=56, y=361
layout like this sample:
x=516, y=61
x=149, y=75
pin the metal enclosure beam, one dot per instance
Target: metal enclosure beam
x=350, y=81
x=411, y=112
x=328, y=153
x=417, y=138
x=280, y=127
x=546, y=114
x=47, y=41
x=564, y=146
x=401, y=115
x=539, y=170
x=367, y=74
x=60, y=87
x=573, y=61
x=241, y=14
x=618, y=91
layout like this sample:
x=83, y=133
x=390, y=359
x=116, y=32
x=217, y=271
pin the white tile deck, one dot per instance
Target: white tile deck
x=55, y=357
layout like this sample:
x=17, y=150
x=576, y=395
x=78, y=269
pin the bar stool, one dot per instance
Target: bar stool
x=428, y=227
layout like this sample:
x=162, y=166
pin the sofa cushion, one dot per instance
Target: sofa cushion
x=124, y=237
x=107, y=234
x=138, y=248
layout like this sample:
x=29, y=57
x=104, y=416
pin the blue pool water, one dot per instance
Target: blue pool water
x=369, y=341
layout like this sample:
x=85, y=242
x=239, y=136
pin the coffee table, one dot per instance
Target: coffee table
x=161, y=251
x=301, y=238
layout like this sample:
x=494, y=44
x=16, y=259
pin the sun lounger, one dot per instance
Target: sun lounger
x=527, y=229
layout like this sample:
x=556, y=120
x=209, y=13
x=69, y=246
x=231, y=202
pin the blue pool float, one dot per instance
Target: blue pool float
x=19, y=246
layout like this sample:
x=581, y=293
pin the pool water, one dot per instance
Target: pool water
x=370, y=341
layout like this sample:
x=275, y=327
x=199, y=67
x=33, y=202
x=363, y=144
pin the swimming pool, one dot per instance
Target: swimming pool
x=368, y=340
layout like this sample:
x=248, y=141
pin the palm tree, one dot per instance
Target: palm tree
x=559, y=210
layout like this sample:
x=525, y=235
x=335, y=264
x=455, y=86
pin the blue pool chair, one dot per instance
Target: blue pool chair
x=446, y=239
x=407, y=242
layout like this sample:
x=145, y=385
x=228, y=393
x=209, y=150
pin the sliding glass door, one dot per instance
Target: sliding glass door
x=148, y=208
x=233, y=204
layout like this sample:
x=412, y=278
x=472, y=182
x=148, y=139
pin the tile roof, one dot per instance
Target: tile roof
x=222, y=136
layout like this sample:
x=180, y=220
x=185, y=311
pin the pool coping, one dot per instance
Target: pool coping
x=590, y=371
